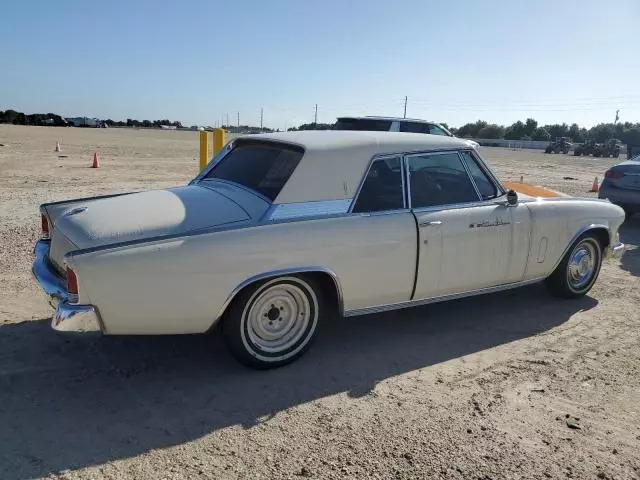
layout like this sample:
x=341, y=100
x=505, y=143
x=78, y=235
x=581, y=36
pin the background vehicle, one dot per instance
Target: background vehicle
x=562, y=145
x=587, y=148
x=395, y=124
x=610, y=148
x=621, y=185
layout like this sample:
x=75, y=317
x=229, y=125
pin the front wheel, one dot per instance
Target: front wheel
x=273, y=322
x=578, y=270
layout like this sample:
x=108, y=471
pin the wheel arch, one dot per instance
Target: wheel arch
x=600, y=230
x=327, y=278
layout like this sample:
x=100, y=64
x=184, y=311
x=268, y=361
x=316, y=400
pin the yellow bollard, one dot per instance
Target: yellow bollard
x=204, y=149
x=218, y=140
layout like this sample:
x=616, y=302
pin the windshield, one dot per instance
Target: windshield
x=365, y=124
x=261, y=166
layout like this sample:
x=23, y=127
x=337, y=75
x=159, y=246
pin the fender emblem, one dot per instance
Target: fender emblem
x=488, y=223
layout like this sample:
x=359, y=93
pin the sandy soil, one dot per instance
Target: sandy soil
x=511, y=385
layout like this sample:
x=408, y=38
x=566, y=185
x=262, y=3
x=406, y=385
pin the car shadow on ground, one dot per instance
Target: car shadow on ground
x=70, y=402
x=630, y=236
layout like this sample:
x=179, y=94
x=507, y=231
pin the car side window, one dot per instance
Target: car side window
x=414, y=127
x=436, y=130
x=439, y=179
x=382, y=187
x=485, y=186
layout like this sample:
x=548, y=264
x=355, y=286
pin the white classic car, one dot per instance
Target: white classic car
x=280, y=229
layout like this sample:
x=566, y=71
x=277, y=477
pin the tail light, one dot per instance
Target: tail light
x=613, y=174
x=45, y=226
x=72, y=283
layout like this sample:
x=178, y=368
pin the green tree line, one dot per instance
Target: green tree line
x=19, y=118
x=51, y=119
x=530, y=130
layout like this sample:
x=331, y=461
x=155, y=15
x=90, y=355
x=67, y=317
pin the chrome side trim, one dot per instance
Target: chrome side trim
x=279, y=273
x=83, y=199
x=307, y=209
x=455, y=206
x=582, y=231
x=442, y=298
x=160, y=238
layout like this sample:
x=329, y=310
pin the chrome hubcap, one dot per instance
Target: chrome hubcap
x=582, y=265
x=278, y=318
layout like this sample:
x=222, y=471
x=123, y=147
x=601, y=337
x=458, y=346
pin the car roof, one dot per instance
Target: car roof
x=335, y=161
x=391, y=119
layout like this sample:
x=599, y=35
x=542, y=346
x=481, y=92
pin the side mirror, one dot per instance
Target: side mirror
x=512, y=198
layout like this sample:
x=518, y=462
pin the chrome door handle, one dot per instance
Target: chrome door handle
x=429, y=223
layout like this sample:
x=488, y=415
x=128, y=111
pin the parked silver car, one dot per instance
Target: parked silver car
x=621, y=185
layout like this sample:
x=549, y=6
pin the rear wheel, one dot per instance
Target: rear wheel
x=273, y=322
x=578, y=270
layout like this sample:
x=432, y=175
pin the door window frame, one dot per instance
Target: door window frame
x=452, y=206
x=406, y=188
x=405, y=204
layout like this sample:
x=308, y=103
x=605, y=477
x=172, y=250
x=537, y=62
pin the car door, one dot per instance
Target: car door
x=467, y=233
x=384, y=256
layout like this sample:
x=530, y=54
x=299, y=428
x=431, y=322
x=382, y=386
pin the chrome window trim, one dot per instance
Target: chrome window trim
x=440, y=298
x=444, y=206
x=487, y=170
x=374, y=159
x=473, y=181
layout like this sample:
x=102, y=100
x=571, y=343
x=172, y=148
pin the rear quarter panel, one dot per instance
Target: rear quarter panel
x=180, y=285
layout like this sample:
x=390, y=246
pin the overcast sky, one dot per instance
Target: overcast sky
x=197, y=61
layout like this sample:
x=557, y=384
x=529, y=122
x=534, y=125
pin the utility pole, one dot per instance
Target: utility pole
x=405, y=107
x=261, y=112
x=315, y=117
x=227, y=120
x=238, y=120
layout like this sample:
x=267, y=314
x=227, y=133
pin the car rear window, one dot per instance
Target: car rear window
x=261, y=166
x=363, y=124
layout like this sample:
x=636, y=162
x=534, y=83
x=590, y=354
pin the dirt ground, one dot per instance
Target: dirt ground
x=511, y=385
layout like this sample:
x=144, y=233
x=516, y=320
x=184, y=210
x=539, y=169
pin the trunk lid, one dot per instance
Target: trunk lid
x=141, y=215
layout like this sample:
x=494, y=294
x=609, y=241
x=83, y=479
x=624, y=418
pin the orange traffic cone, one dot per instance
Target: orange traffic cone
x=594, y=187
x=96, y=162
x=57, y=149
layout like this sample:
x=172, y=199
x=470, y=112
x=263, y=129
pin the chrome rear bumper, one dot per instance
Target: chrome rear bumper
x=68, y=317
x=616, y=251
